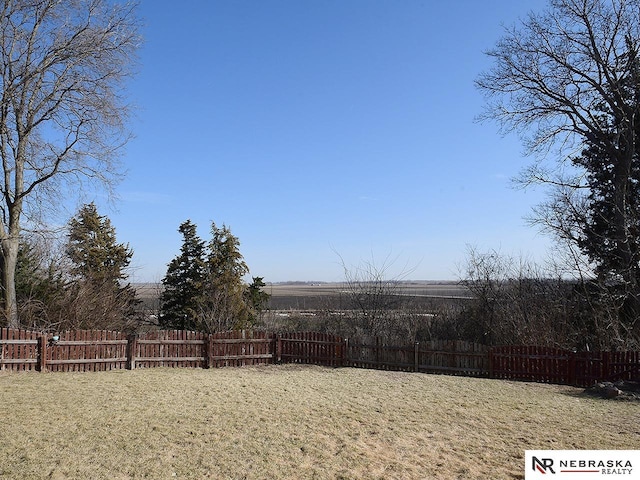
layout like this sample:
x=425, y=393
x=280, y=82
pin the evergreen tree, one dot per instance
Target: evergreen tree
x=98, y=270
x=93, y=249
x=182, y=297
x=607, y=221
x=28, y=274
x=226, y=307
x=256, y=297
x=204, y=288
x=40, y=286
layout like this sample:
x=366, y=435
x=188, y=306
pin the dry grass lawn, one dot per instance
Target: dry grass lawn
x=292, y=422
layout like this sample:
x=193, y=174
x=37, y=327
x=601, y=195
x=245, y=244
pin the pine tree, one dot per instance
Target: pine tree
x=256, y=297
x=93, y=248
x=182, y=297
x=226, y=307
x=98, y=271
x=40, y=286
x=204, y=288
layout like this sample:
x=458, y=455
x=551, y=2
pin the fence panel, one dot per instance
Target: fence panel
x=532, y=364
x=397, y=358
x=19, y=350
x=589, y=367
x=380, y=356
x=240, y=348
x=453, y=357
x=311, y=348
x=623, y=366
x=86, y=350
x=168, y=348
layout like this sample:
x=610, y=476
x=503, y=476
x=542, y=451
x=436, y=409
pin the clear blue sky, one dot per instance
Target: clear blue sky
x=321, y=126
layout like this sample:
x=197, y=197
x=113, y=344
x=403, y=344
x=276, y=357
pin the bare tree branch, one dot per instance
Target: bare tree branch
x=62, y=114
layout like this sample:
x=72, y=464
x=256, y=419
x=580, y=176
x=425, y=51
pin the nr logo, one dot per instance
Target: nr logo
x=542, y=465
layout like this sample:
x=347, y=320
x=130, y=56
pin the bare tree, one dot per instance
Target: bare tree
x=62, y=111
x=377, y=303
x=517, y=301
x=568, y=81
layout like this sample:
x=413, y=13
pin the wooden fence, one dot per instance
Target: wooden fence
x=454, y=357
x=177, y=348
x=92, y=350
x=83, y=350
x=554, y=365
x=312, y=348
x=20, y=350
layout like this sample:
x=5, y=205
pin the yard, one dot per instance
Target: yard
x=293, y=421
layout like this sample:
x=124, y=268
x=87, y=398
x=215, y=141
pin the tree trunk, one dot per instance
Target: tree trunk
x=10, y=246
x=623, y=222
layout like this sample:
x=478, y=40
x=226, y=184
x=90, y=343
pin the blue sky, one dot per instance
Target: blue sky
x=320, y=128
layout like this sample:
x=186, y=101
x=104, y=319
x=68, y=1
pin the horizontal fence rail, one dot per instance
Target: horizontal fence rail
x=97, y=350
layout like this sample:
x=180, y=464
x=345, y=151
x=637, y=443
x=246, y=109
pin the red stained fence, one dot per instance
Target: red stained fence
x=436, y=356
x=554, y=365
x=91, y=350
x=168, y=348
x=240, y=348
x=83, y=351
x=94, y=350
x=20, y=350
x=311, y=348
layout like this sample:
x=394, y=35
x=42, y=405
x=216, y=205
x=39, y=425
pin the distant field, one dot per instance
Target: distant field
x=299, y=295
x=148, y=290
x=318, y=296
x=421, y=289
x=284, y=422
x=429, y=289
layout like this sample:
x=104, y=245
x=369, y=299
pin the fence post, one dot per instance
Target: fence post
x=42, y=352
x=606, y=366
x=132, y=346
x=573, y=369
x=279, y=346
x=209, y=356
x=276, y=348
x=345, y=352
x=490, y=361
x=416, y=354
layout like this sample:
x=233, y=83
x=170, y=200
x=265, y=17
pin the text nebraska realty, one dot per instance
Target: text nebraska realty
x=605, y=467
